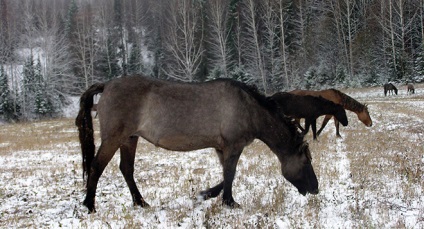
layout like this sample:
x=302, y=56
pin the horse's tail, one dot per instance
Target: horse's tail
x=84, y=122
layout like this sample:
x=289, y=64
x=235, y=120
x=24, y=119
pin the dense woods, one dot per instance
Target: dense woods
x=51, y=49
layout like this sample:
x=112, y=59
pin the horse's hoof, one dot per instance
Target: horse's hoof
x=90, y=206
x=92, y=211
x=231, y=204
x=142, y=204
x=208, y=194
x=205, y=195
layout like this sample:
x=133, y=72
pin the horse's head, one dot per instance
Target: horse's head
x=365, y=117
x=297, y=169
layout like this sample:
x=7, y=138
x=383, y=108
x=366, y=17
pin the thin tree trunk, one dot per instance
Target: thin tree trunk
x=283, y=44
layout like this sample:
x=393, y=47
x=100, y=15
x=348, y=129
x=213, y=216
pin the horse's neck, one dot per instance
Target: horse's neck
x=273, y=132
x=351, y=104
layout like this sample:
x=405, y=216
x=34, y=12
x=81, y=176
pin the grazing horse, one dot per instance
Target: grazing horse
x=223, y=114
x=390, y=88
x=338, y=97
x=310, y=108
x=410, y=89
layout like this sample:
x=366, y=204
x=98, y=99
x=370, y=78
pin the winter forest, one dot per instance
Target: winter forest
x=53, y=49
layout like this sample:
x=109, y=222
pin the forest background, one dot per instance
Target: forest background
x=51, y=50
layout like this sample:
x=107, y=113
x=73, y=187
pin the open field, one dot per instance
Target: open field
x=371, y=178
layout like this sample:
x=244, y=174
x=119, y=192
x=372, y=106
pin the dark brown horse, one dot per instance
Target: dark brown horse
x=338, y=97
x=410, y=89
x=390, y=88
x=310, y=108
x=222, y=114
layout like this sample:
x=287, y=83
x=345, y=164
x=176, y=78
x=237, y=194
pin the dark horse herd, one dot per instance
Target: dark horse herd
x=389, y=88
x=223, y=114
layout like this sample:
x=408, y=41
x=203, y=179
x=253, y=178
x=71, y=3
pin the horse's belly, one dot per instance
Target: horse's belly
x=185, y=143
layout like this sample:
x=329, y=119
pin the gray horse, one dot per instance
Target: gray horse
x=223, y=114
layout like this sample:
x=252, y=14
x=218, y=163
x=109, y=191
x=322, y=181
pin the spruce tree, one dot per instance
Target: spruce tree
x=43, y=105
x=135, y=64
x=6, y=102
x=107, y=63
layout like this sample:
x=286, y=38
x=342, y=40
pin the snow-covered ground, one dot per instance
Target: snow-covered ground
x=371, y=178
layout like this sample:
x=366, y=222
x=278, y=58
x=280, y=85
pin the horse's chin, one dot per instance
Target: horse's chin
x=303, y=192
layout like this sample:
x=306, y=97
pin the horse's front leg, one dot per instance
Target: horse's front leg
x=324, y=123
x=337, y=124
x=307, y=125
x=214, y=191
x=228, y=160
x=230, y=164
x=128, y=150
x=314, y=128
x=297, y=123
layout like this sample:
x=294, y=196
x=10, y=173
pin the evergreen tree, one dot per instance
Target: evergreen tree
x=37, y=103
x=71, y=18
x=28, y=89
x=135, y=64
x=42, y=103
x=107, y=63
x=6, y=102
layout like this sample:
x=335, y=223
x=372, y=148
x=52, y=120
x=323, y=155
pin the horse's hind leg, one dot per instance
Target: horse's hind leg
x=128, y=150
x=106, y=151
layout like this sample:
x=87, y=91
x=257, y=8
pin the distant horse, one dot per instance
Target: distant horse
x=338, y=97
x=223, y=114
x=390, y=88
x=410, y=89
x=310, y=108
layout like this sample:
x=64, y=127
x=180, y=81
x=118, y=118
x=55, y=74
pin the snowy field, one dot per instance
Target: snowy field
x=371, y=178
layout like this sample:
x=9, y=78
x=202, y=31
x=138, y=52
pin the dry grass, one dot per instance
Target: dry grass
x=372, y=178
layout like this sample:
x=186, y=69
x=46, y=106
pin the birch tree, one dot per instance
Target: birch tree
x=84, y=45
x=252, y=39
x=398, y=29
x=219, y=35
x=184, y=40
x=274, y=47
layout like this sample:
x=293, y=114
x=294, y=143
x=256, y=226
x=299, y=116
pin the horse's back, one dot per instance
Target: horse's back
x=303, y=105
x=328, y=94
x=176, y=116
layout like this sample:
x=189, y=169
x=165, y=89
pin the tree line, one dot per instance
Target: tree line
x=53, y=49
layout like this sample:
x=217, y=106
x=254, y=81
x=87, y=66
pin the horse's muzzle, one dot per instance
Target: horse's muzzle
x=314, y=192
